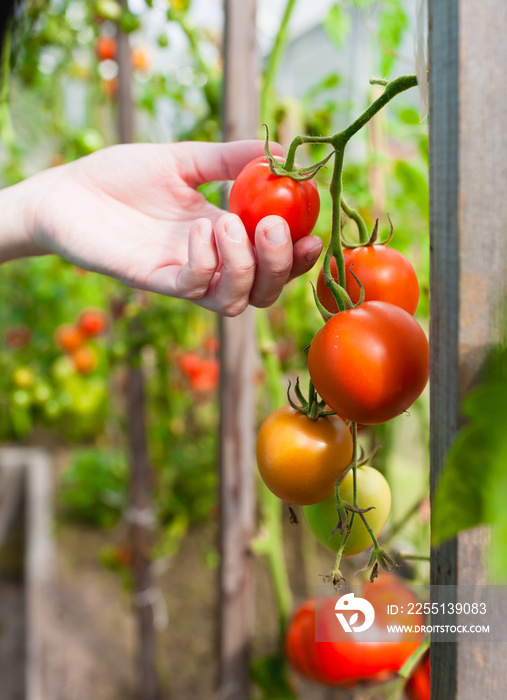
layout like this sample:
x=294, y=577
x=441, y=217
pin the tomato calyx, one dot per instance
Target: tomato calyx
x=340, y=295
x=373, y=236
x=288, y=168
x=379, y=558
x=313, y=407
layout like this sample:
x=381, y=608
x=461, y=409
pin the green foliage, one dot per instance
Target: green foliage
x=93, y=488
x=337, y=24
x=392, y=24
x=269, y=675
x=473, y=487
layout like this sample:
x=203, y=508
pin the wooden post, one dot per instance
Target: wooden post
x=237, y=338
x=140, y=512
x=468, y=180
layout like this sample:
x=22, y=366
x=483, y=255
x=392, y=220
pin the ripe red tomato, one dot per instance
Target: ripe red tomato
x=418, y=685
x=202, y=373
x=386, y=275
x=257, y=193
x=299, y=459
x=343, y=659
x=372, y=490
x=105, y=48
x=370, y=363
x=93, y=322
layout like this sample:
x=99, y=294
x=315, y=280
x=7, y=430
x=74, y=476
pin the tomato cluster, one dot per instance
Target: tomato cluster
x=368, y=364
x=73, y=338
x=344, y=660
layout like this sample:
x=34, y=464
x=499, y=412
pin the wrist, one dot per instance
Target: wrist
x=17, y=222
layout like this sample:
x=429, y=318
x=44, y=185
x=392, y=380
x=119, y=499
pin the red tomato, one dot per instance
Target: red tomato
x=370, y=363
x=93, y=322
x=257, y=193
x=344, y=659
x=418, y=685
x=299, y=459
x=105, y=48
x=202, y=373
x=386, y=275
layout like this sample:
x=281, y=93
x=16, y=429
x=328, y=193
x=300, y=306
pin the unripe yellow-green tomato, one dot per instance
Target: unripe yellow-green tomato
x=372, y=490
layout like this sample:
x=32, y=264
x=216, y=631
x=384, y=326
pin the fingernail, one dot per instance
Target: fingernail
x=234, y=229
x=206, y=231
x=276, y=234
x=313, y=253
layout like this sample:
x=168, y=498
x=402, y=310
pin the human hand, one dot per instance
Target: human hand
x=133, y=212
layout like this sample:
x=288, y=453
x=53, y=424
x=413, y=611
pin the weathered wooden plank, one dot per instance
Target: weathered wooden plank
x=468, y=179
x=237, y=336
x=444, y=271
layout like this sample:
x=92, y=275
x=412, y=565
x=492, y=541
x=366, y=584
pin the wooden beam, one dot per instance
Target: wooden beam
x=468, y=180
x=140, y=511
x=237, y=418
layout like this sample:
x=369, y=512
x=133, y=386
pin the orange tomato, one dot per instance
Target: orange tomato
x=69, y=337
x=84, y=360
x=141, y=59
x=299, y=459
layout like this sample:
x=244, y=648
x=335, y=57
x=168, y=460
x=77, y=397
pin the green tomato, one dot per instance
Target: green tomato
x=20, y=398
x=41, y=393
x=89, y=140
x=108, y=9
x=372, y=490
x=62, y=368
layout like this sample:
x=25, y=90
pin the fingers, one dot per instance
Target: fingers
x=192, y=280
x=207, y=162
x=273, y=246
x=224, y=273
x=231, y=291
x=306, y=253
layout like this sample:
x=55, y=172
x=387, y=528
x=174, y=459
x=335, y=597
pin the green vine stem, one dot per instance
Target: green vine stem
x=339, y=142
x=6, y=129
x=358, y=219
x=271, y=543
x=336, y=578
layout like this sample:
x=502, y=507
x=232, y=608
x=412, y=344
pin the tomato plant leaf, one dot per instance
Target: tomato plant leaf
x=392, y=24
x=337, y=25
x=473, y=487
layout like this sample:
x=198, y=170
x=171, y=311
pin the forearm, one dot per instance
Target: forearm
x=16, y=235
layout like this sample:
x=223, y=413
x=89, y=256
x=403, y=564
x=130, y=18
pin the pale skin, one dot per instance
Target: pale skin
x=133, y=213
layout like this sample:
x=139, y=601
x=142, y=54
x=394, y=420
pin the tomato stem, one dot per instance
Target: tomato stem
x=359, y=221
x=339, y=141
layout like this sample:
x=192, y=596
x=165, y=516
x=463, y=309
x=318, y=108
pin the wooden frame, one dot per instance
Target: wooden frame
x=468, y=212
